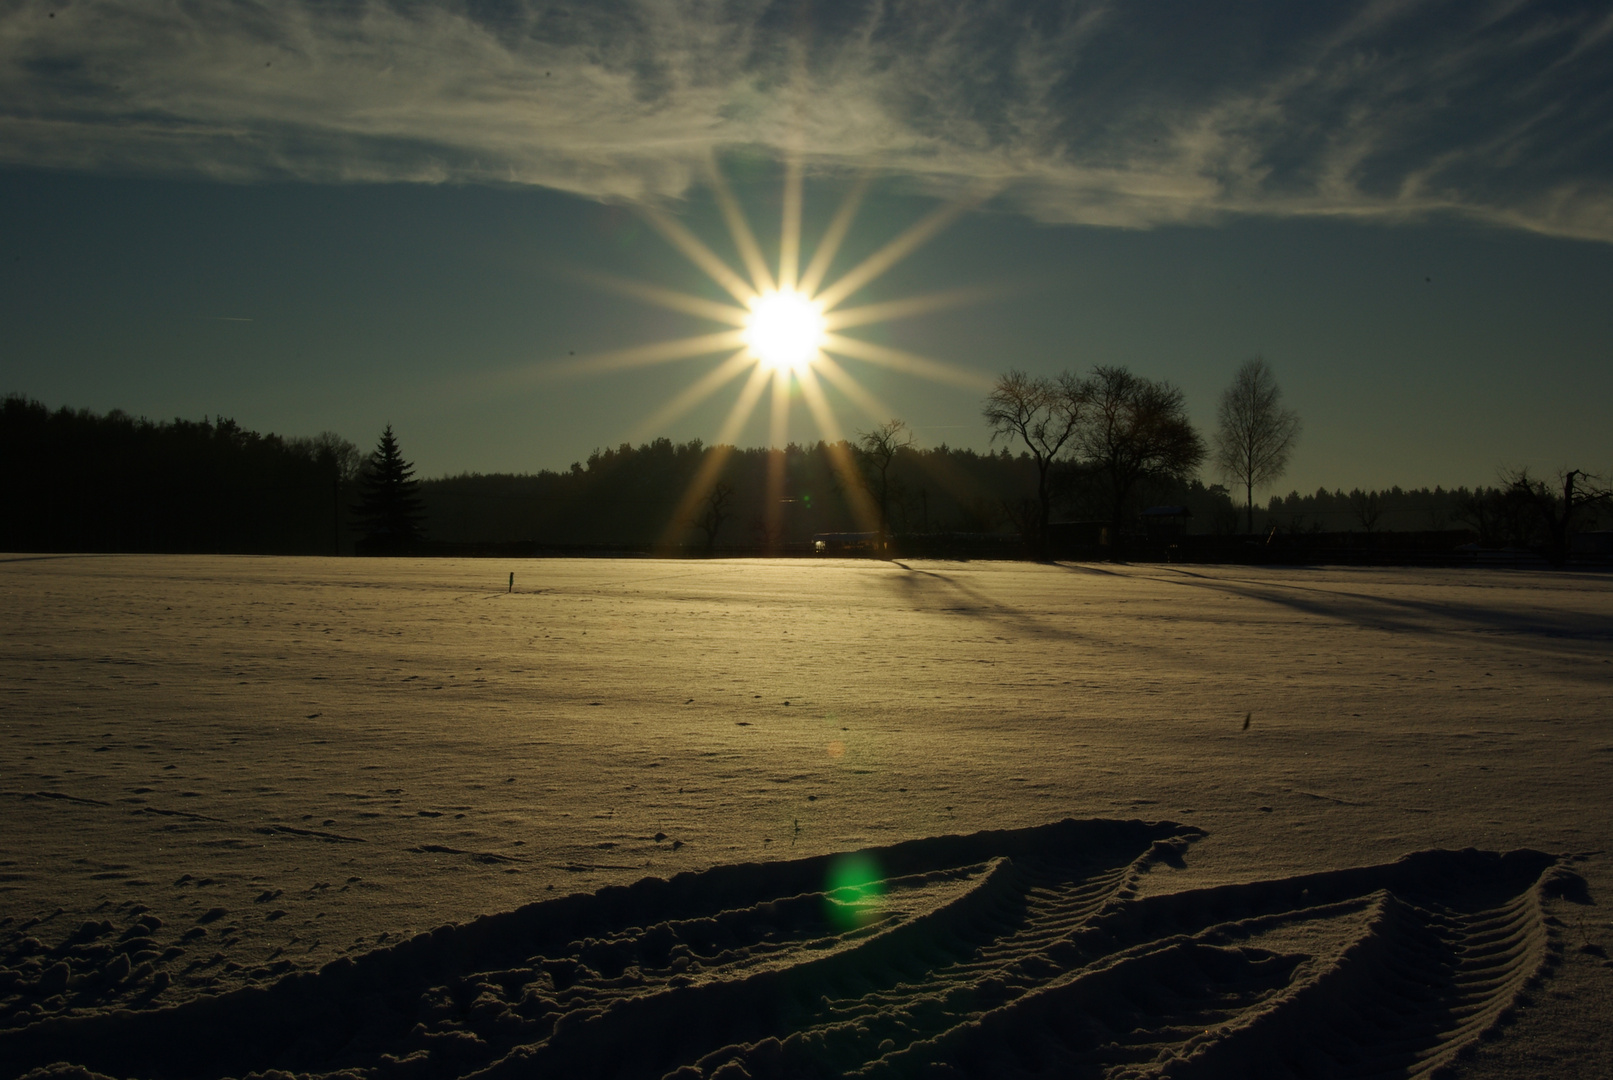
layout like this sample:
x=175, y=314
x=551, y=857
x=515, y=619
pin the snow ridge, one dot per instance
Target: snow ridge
x=998, y=954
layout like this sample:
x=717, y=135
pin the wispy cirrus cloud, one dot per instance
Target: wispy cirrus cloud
x=1127, y=115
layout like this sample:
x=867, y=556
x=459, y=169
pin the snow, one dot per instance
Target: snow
x=274, y=764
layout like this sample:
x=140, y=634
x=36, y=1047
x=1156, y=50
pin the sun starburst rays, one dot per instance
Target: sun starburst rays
x=873, y=408
x=671, y=299
x=892, y=253
x=658, y=352
x=698, y=253
x=785, y=327
x=693, y=394
x=889, y=310
x=833, y=237
x=750, y=252
x=789, y=259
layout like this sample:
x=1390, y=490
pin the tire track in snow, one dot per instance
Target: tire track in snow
x=997, y=954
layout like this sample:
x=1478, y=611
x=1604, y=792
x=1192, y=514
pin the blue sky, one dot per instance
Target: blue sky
x=315, y=217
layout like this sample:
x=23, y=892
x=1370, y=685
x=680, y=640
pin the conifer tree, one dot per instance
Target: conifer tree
x=389, y=512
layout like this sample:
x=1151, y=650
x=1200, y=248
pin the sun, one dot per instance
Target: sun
x=784, y=330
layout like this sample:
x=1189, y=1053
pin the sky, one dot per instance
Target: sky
x=337, y=216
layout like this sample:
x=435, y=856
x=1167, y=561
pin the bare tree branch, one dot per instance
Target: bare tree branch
x=876, y=450
x=1256, y=434
x=713, y=512
x=1044, y=414
x=1557, y=513
x=1136, y=429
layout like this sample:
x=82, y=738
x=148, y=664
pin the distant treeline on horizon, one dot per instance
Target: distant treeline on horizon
x=79, y=481
x=74, y=480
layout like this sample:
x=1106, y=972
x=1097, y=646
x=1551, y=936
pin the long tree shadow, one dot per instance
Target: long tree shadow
x=929, y=590
x=1085, y=568
x=1390, y=613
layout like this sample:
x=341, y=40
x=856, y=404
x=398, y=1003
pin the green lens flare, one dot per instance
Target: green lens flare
x=854, y=892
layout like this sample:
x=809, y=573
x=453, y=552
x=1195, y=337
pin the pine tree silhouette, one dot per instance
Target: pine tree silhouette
x=389, y=512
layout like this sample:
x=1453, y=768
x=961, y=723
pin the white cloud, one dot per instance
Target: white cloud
x=1128, y=115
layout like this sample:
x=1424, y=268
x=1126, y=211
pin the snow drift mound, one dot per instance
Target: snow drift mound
x=996, y=954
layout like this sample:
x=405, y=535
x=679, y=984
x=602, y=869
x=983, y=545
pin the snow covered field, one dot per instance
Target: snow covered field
x=221, y=772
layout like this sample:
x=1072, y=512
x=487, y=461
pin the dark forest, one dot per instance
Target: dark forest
x=75, y=480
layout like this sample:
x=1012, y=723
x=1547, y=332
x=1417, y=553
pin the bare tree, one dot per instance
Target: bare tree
x=1581, y=490
x=1256, y=433
x=1044, y=414
x=1367, y=507
x=1135, y=429
x=713, y=512
x=876, y=450
x=1503, y=516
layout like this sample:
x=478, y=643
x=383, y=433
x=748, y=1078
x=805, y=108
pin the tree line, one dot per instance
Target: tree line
x=1095, y=449
x=694, y=497
x=1111, y=441
x=1107, y=442
x=1100, y=441
x=79, y=481
x=74, y=480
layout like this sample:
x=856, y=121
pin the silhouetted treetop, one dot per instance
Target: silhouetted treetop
x=75, y=480
x=1045, y=415
x=1556, y=515
x=1135, y=430
x=876, y=452
x=1255, y=433
x=389, y=512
